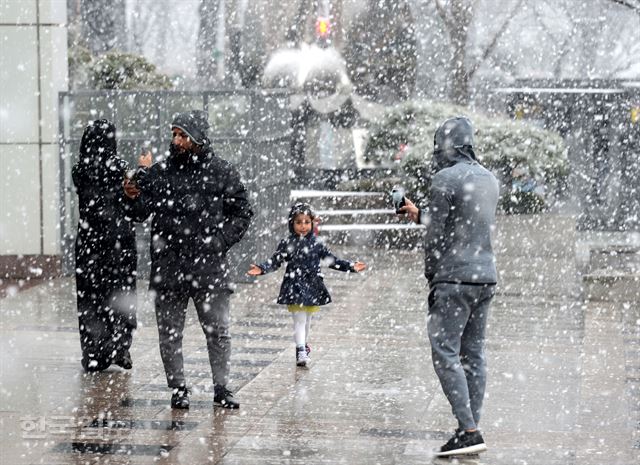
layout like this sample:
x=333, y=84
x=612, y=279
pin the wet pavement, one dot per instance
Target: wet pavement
x=563, y=386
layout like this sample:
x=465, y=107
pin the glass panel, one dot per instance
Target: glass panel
x=177, y=102
x=87, y=108
x=138, y=115
x=235, y=152
x=229, y=115
x=271, y=115
x=130, y=149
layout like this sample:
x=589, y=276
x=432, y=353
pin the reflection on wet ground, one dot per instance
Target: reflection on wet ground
x=563, y=374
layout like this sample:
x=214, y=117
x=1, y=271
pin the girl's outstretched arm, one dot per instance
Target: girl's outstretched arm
x=359, y=266
x=275, y=261
x=339, y=264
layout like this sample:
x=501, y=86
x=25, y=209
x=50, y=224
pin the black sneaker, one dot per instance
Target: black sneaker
x=463, y=443
x=180, y=398
x=223, y=397
x=124, y=360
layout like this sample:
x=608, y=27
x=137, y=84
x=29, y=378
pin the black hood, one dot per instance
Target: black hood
x=98, y=141
x=99, y=166
x=195, y=124
x=453, y=143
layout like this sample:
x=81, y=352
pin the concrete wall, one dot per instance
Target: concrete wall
x=33, y=69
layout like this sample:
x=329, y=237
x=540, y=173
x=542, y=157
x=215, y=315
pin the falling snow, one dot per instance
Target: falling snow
x=308, y=131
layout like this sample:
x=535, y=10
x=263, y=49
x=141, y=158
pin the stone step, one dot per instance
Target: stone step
x=607, y=285
x=357, y=216
x=342, y=200
x=400, y=235
x=615, y=257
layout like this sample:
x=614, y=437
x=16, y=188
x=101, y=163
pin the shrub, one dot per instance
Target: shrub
x=80, y=61
x=530, y=162
x=125, y=71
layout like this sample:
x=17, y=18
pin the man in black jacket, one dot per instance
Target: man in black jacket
x=200, y=209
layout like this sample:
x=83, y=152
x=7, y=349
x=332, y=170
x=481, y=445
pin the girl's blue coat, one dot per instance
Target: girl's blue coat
x=303, y=282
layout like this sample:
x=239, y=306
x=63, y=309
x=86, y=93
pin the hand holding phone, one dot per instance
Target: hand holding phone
x=146, y=158
x=397, y=197
x=130, y=188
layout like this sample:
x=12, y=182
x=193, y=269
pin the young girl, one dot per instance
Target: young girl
x=303, y=289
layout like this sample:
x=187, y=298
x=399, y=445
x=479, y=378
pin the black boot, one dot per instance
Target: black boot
x=180, y=398
x=223, y=397
x=124, y=360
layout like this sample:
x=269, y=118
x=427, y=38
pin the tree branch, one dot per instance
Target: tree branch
x=443, y=14
x=632, y=4
x=494, y=42
x=563, y=43
x=296, y=29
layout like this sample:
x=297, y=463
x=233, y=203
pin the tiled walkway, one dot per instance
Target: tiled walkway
x=564, y=375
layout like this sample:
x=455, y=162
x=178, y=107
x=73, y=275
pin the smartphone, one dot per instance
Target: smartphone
x=397, y=197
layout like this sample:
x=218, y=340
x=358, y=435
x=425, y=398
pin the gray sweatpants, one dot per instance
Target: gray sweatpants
x=456, y=324
x=213, y=314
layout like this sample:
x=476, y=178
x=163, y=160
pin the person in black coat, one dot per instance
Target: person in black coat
x=105, y=251
x=200, y=210
x=303, y=289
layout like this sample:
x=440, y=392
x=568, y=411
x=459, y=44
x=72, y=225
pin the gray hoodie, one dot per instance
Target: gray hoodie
x=461, y=215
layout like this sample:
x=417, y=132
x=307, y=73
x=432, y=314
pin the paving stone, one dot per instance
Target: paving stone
x=563, y=385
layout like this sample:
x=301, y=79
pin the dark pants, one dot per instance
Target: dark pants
x=456, y=324
x=106, y=299
x=213, y=313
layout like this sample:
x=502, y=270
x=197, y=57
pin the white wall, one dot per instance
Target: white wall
x=33, y=69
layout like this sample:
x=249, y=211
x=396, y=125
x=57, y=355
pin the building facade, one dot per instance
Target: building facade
x=33, y=69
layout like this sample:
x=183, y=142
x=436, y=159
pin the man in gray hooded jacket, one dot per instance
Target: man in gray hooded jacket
x=461, y=271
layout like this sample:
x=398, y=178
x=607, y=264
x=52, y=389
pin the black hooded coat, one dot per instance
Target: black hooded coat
x=105, y=249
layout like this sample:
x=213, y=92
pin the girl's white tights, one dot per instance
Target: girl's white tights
x=301, y=327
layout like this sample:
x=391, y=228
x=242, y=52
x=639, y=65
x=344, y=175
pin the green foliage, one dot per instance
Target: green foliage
x=80, y=60
x=387, y=138
x=522, y=202
x=124, y=71
x=530, y=162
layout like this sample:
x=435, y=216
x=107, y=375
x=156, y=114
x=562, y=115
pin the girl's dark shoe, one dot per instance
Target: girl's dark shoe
x=222, y=397
x=302, y=357
x=463, y=443
x=180, y=398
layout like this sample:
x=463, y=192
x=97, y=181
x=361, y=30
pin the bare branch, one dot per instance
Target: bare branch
x=461, y=13
x=632, y=4
x=557, y=65
x=494, y=41
x=540, y=19
x=296, y=28
x=143, y=18
x=443, y=14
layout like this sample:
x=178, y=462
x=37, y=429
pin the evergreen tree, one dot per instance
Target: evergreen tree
x=380, y=50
